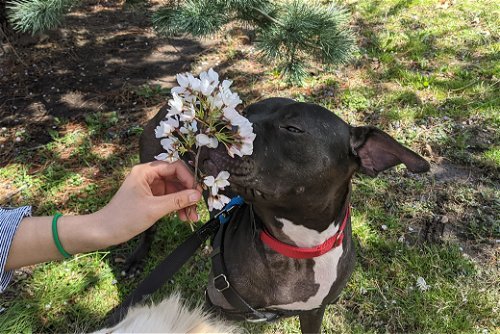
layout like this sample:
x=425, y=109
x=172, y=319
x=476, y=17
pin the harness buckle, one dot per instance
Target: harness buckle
x=263, y=316
x=224, y=281
x=257, y=320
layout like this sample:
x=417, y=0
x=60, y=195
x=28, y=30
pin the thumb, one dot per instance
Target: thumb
x=178, y=200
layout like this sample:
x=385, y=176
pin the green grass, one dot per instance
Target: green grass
x=63, y=295
x=427, y=75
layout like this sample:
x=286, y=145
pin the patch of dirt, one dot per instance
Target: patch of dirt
x=94, y=63
x=447, y=171
x=464, y=207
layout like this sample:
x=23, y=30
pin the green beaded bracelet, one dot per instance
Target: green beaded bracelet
x=65, y=254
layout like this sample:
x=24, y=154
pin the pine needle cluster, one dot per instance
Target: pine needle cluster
x=37, y=15
x=289, y=33
x=301, y=32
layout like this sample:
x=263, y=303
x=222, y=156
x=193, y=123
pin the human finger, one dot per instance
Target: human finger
x=182, y=215
x=168, y=171
x=192, y=213
x=177, y=201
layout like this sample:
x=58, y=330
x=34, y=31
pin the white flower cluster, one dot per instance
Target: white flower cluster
x=202, y=112
x=214, y=184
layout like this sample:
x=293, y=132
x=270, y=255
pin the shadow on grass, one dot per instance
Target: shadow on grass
x=94, y=64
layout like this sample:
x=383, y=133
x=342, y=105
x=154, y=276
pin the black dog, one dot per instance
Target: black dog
x=289, y=251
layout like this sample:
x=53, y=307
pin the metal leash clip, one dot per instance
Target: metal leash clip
x=222, y=217
x=225, y=214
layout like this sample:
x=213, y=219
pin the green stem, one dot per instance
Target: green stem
x=202, y=121
x=196, y=161
x=179, y=133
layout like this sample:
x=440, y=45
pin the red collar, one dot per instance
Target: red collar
x=306, y=253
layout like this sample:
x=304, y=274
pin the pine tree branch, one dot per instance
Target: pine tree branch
x=37, y=15
x=267, y=16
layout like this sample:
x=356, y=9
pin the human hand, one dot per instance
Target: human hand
x=149, y=192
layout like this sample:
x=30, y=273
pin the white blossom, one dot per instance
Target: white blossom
x=189, y=114
x=234, y=150
x=189, y=128
x=169, y=144
x=208, y=82
x=166, y=127
x=206, y=88
x=215, y=101
x=194, y=83
x=176, y=104
x=246, y=148
x=201, y=107
x=217, y=183
x=226, y=84
x=245, y=138
x=172, y=156
x=178, y=90
x=211, y=76
x=208, y=141
x=183, y=87
x=245, y=128
x=229, y=98
x=231, y=114
x=217, y=202
x=182, y=80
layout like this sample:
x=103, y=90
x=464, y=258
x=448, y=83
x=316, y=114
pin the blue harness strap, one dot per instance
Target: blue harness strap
x=225, y=215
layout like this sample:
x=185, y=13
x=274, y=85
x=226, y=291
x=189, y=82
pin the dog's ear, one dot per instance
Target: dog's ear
x=377, y=151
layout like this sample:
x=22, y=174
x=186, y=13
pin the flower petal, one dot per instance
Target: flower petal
x=161, y=156
x=223, y=175
x=202, y=140
x=209, y=180
x=182, y=80
x=213, y=76
x=176, y=104
x=210, y=203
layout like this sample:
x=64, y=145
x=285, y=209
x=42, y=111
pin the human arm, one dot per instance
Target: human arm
x=149, y=192
x=9, y=222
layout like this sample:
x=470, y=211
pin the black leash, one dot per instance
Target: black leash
x=172, y=263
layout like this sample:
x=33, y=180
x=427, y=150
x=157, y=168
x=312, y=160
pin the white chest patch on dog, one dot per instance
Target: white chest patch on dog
x=305, y=237
x=325, y=266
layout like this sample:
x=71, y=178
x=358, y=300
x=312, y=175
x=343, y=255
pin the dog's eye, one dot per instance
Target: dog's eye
x=293, y=129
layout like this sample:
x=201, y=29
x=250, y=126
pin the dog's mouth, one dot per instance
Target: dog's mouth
x=214, y=161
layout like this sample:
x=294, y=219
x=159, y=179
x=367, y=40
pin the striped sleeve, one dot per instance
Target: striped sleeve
x=9, y=221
